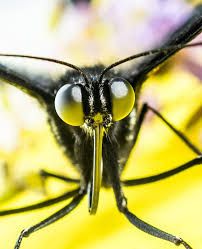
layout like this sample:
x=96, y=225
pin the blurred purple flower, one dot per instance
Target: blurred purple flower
x=137, y=25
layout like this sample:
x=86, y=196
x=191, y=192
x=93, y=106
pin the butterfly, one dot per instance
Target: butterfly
x=95, y=117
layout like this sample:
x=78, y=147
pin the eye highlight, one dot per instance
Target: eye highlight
x=122, y=97
x=68, y=104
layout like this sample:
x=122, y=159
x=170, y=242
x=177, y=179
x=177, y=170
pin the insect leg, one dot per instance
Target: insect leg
x=161, y=176
x=54, y=217
x=140, y=120
x=45, y=174
x=177, y=132
x=121, y=202
x=154, y=178
x=142, y=225
x=42, y=204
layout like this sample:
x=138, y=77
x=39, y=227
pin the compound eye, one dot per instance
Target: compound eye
x=68, y=104
x=122, y=97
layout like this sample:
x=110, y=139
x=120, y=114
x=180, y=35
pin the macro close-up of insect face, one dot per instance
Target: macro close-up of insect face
x=99, y=118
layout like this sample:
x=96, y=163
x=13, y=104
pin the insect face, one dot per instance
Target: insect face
x=95, y=106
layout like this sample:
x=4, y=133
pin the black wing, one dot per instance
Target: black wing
x=38, y=79
x=185, y=33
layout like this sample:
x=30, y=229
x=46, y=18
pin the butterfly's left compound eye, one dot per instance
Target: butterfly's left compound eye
x=68, y=104
x=122, y=97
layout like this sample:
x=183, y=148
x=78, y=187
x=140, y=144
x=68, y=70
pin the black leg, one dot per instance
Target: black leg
x=53, y=218
x=42, y=204
x=143, y=112
x=142, y=225
x=177, y=132
x=171, y=172
x=45, y=174
x=161, y=176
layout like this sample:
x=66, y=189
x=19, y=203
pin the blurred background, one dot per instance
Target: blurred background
x=85, y=33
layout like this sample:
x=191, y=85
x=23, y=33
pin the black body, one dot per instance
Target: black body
x=78, y=144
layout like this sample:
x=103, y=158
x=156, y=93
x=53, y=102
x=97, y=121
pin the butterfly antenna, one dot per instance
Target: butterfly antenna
x=50, y=60
x=146, y=53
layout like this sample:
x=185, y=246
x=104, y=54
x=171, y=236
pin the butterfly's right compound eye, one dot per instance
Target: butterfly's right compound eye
x=68, y=104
